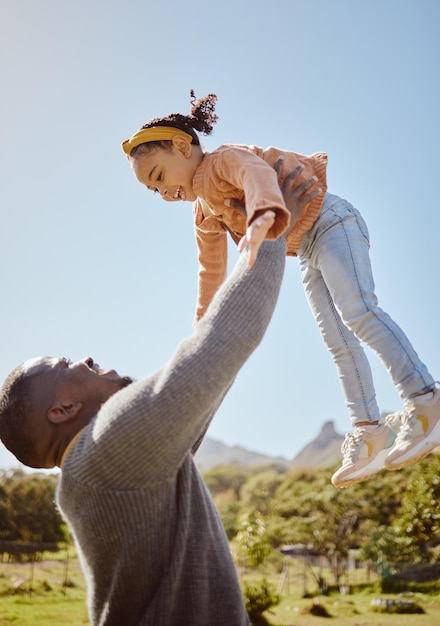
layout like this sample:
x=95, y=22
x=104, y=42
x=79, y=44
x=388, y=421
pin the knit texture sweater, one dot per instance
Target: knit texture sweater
x=150, y=541
x=246, y=173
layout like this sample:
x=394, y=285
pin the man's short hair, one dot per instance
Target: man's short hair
x=15, y=407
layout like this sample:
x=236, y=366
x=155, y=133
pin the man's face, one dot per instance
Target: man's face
x=82, y=381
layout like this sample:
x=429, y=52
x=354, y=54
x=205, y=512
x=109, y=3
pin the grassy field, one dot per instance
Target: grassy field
x=353, y=610
x=46, y=593
x=52, y=592
x=344, y=609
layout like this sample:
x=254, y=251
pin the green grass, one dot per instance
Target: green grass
x=43, y=594
x=38, y=611
x=353, y=610
x=39, y=596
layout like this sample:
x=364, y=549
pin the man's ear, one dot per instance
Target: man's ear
x=59, y=413
x=182, y=144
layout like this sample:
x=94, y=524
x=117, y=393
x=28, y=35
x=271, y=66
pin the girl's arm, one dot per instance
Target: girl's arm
x=242, y=174
x=256, y=233
x=212, y=255
x=296, y=196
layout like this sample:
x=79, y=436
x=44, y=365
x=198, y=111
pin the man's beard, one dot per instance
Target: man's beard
x=125, y=381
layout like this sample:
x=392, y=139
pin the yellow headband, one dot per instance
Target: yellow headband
x=154, y=133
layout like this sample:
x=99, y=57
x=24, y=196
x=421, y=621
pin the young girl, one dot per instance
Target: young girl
x=331, y=241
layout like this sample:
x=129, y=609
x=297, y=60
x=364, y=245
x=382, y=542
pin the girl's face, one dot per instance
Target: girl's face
x=169, y=172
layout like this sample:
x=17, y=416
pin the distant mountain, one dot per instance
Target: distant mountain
x=213, y=453
x=323, y=451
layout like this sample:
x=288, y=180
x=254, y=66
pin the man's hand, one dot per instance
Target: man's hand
x=295, y=198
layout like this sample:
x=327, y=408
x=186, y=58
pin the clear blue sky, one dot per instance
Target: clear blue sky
x=93, y=264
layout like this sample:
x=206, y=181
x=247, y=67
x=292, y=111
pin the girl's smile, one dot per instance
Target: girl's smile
x=169, y=172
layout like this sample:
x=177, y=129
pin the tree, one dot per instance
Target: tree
x=5, y=522
x=226, y=478
x=31, y=514
x=258, y=492
x=393, y=517
x=419, y=517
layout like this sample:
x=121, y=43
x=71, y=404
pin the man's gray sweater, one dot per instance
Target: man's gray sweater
x=150, y=541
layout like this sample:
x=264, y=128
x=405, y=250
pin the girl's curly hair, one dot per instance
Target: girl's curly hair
x=202, y=118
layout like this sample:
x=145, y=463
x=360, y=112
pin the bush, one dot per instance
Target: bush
x=317, y=609
x=258, y=599
x=400, y=605
x=392, y=585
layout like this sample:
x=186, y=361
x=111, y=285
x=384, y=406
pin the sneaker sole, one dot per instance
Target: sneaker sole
x=422, y=449
x=364, y=473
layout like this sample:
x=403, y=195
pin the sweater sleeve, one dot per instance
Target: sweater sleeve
x=239, y=168
x=144, y=432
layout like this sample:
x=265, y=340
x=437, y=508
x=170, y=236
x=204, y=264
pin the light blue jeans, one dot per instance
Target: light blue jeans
x=338, y=282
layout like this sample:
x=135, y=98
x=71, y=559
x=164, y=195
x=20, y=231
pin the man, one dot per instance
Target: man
x=150, y=541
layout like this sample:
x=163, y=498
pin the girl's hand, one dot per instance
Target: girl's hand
x=256, y=234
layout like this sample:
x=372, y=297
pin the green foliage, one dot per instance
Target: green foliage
x=258, y=492
x=391, y=519
x=384, y=546
x=393, y=585
x=27, y=509
x=419, y=518
x=230, y=512
x=22, y=552
x=258, y=599
x=226, y=478
x=252, y=540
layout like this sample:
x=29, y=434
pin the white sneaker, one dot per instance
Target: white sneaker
x=363, y=454
x=419, y=431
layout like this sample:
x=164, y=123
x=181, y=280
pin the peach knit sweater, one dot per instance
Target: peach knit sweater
x=245, y=173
